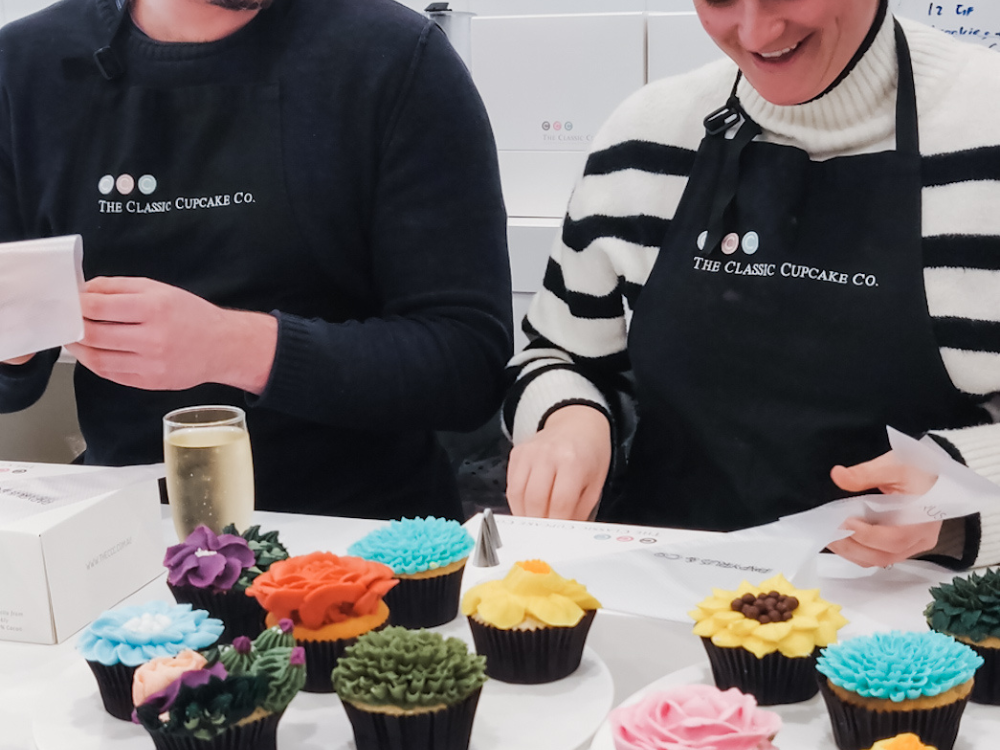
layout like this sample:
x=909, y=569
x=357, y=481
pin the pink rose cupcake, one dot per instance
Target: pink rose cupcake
x=692, y=717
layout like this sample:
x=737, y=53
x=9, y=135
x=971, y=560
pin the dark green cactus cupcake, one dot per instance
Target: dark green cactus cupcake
x=412, y=684
x=968, y=609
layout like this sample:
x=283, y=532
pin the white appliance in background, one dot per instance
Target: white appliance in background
x=549, y=80
x=676, y=41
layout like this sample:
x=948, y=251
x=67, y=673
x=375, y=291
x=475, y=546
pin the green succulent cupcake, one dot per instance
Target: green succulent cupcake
x=412, y=684
x=968, y=609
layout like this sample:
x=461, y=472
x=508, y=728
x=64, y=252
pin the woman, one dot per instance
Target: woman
x=806, y=265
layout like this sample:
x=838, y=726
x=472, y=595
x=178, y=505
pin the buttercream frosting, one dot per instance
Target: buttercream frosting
x=206, y=560
x=157, y=674
x=967, y=607
x=814, y=622
x=908, y=741
x=899, y=666
x=266, y=550
x=530, y=589
x=321, y=588
x=135, y=634
x=409, y=669
x=694, y=717
x=415, y=545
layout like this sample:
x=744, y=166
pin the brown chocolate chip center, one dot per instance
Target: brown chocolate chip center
x=769, y=607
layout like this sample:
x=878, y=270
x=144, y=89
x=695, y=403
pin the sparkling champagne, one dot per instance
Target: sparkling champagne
x=209, y=477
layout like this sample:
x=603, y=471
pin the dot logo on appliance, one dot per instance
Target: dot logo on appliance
x=749, y=243
x=562, y=129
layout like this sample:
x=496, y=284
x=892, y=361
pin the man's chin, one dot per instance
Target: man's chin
x=241, y=4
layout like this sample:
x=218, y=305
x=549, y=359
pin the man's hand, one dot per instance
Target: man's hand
x=882, y=545
x=146, y=334
x=560, y=472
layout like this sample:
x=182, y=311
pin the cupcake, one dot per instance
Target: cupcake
x=186, y=703
x=764, y=639
x=428, y=557
x=409, y=690
x=691, y=717
x=330, y=600
x=213, y=572
x=880, y=685
x=531, y=625
x=907, y=741
x=968, y=609
x=119, y=640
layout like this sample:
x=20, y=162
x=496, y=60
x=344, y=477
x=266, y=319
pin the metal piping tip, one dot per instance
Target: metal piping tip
x=485, y=554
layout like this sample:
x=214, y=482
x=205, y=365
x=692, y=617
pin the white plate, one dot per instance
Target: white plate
x=806, y=725
x=557, y=716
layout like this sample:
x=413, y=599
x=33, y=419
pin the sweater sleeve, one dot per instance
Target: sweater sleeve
x=434, y=356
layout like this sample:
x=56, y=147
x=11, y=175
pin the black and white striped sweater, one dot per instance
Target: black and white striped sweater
x=637, y=171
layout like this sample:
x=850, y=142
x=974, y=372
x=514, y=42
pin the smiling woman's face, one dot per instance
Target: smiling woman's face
x=789, y=50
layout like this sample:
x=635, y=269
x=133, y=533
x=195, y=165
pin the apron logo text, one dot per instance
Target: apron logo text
x=788, y=270
x=179, y=204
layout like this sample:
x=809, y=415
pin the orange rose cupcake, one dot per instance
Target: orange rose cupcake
x=331, y=600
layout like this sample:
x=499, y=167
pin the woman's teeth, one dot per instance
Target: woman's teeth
x=779, y=53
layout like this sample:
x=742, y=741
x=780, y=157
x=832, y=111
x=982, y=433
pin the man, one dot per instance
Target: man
x=294, y=207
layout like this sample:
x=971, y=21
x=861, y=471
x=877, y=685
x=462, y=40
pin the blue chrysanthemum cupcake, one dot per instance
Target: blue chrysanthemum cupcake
x=885, y=684
x=119, y=640
x=428, y=557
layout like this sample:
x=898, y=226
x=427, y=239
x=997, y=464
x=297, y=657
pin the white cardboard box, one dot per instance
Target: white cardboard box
x=67, y=564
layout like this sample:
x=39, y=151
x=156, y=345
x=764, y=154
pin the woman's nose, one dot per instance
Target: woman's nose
x=761, y=25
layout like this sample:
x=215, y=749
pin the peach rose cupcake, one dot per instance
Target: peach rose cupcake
x=330, y=599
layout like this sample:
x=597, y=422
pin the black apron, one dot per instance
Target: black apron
x=783, y=326
x=184, y=183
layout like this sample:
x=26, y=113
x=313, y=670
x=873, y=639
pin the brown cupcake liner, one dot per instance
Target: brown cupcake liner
x=447, y=729
x=858, y=728
x=321, y=658
x=240, y=614
x=261, y=734
x=425, y=602
x=531, y=657
x=115, y=686
x=773, y=680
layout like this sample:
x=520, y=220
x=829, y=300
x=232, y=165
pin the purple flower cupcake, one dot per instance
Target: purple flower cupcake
x=212, y=572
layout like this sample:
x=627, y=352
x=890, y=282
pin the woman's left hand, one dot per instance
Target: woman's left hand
x=877, y=544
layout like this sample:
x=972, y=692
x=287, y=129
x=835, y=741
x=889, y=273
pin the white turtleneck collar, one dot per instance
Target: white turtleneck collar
x=857, y=115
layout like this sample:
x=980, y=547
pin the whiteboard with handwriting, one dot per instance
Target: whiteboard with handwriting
x=975, y=21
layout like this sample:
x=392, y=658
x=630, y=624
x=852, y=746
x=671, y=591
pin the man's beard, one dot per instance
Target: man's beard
x=241, y=4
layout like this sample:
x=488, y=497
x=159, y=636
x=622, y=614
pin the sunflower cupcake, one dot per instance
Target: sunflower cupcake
x=764, y=639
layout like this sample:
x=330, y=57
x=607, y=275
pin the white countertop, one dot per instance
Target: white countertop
x=636, y=650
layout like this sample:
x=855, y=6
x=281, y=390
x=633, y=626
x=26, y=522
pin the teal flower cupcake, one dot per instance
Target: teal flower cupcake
x=121, y=639
x=885, y=684
x=428, y=556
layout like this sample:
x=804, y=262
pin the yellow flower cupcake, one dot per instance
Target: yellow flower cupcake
x=908, y=741
x=764, y=639
x=531, y=625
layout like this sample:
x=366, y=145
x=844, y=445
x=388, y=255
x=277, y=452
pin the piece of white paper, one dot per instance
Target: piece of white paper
x=958, y=492
x=36, y=491
x=40, y=284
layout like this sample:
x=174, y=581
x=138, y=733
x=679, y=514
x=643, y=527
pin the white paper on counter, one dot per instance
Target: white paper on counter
x=40, y=284
x=958, y=492
x=34, y=490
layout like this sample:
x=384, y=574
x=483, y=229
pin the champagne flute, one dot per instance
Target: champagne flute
x=209, y=468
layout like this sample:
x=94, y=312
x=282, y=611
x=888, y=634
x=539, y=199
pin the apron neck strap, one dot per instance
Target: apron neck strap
x=907, y=131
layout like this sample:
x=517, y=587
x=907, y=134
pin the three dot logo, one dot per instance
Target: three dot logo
x=557, y=125
x=546, y=125
x=568, y=125
x=126, y=183
x=749, y=242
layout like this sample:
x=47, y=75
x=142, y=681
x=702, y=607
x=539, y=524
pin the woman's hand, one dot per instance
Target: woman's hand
x=876, y=544
x=560, y=472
